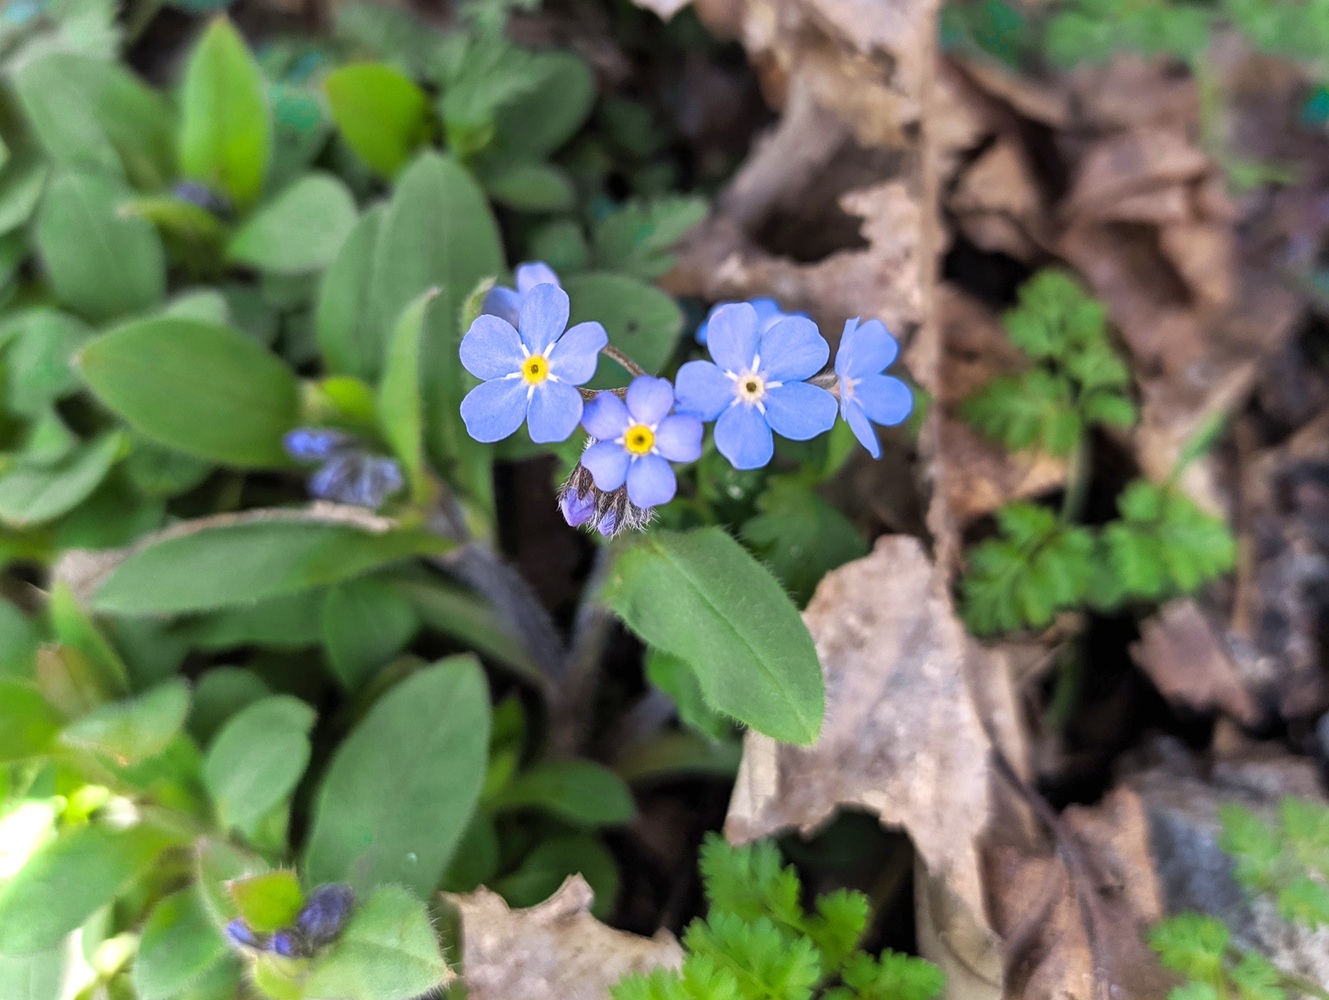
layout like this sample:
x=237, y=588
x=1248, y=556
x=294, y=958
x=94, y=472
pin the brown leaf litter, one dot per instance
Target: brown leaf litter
x=555, y=949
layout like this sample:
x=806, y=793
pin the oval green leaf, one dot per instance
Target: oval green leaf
x=300, y=230
x=642, y=322
x=256, y=760
x=382, y=114
x=701, y=597
x=203, y=389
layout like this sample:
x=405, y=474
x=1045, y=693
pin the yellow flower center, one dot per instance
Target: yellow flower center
x=639, y=439
x=535, y=369
x=751, y=387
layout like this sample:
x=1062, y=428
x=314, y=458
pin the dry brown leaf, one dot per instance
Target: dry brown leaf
x=1189, y=663
x=903, y=737
x=555, y=949
x=981, y=476
x=1075, y=919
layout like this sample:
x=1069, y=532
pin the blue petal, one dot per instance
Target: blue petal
x=743, y=437
x=678, y=438
x=731, y=336
x=793, y=349
x=703, y=389
x=865, y=349
x=312, y=444
x=799, y=411
x=555, y=412
x=858, y=423
x=650, y=399
x=577, y=510
x=493, y=410
x=491, y=348
x=607, y=524
x=885, y=399
x=574, y=356
x=332, y=481
x=768, y=312
x=651, y=481
x=544, y=317
x=502, y=302
x=705, y=324
x=605, y=417
x=535, y=273
x=607, y=463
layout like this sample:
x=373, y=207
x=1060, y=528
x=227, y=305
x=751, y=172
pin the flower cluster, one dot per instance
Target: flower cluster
x=347, y=473
x=765, y=377
x=317, y=925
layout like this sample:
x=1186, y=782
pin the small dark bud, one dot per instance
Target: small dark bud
x=204, y=197
x=287, y=944
x=324, y=913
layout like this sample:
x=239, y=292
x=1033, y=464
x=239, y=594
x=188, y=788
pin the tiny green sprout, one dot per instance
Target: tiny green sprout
x=757, y=941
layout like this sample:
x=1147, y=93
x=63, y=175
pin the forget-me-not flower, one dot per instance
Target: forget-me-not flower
x=756, y=384
x=348, y=474
x=768, y=314
x=530, y=373
x=866, y=351
x=505, y=302
x=636, y=438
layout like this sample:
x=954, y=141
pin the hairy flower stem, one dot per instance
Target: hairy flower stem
x=612, y=352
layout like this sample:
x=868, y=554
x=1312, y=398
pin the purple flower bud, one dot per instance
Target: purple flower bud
x=313, y=444
x=324, y=913
x=286, y=943
x=577, y=508
x=202, y=196
x=240, y=934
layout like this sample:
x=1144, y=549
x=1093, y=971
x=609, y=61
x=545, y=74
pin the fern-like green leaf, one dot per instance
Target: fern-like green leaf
x=1254, y=845
x=1164, y=544
x=750, y=881
x=893, y=976
x=1256, y=978
x=1035, y=568
x=839, y=924
x=767, y=961
x=1304, y=901
x=1030, y=410
x=1192, y=944
x=1306, y=829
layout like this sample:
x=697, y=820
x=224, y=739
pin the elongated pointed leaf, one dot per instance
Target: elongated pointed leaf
x=382, y=114
x=34, y=494
x=350, y=344
x=701, y=597
x=401, y=787
x=203, y=389
x=400, y=396
x=300, y=230
x=132, y=729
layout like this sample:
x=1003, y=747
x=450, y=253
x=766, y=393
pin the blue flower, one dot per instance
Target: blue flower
x=757, y=384
x=505, y=302
x=768, y=314
x=348, y=474
x=531, y=375
x=867, y=350
x=636, y=440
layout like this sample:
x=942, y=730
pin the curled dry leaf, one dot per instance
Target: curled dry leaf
x=555, y=949
x=1189, y=662
x=904, y=737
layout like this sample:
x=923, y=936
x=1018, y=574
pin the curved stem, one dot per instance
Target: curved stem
x=612, y=352
x=1078, y=477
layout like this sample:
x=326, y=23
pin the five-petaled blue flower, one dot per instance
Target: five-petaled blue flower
x=637, y=439
x=768, y=314
x=349, y=474
x=530, y=373
x=756, y=384
x=505, y=302
x=866, y=351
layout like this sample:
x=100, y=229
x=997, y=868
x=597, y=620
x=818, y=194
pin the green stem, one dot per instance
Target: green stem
x=1078, y=478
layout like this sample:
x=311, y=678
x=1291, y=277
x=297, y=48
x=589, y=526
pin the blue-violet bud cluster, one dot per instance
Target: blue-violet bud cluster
x=317, y=925
x=766, y=376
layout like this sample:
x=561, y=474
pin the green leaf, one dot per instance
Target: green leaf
x=37, y=367
x=642, y=322
x=100, y=263
x=217, y=865
x=1032, y=410
x=38, y=976
x=637, y=237
x=383, y=115
x=202, y=389
x=401, y=787
x=530, y=187
x=256, y=760
x=387, y=951
x=93, y=113
x=18, y=643
x=223, y=565
x=34, y=494
x=366, y=623
x=350, y=344
x=702, y=598
x=226, y=129
x=679, y=681
x=287, y=622
x=542, y=120
x=456, y=611
x=300, y=230
x=219, y=694
x=800, y=536
x=21, y=184
x=1192, y=944
x=545, y=869
x=132, y=729
x=28, y=723
x=894, y=976
x=400, y=399
x=578, y=792
x=178, y=948
x=70, y=879
x=269, y=901
x=74, y=627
